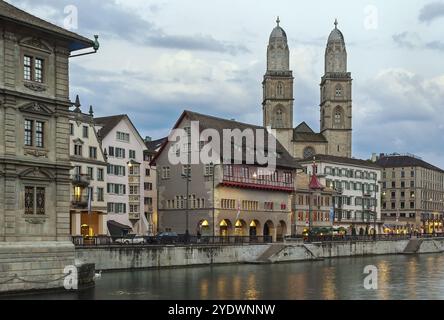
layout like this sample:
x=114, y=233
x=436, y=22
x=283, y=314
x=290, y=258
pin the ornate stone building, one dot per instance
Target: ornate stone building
x=335, y=136
x=34, y=155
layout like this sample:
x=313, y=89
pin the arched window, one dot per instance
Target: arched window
x=338, y=116
x=338, y=91
x=309, y=152
x=279, y=119
x=280, y=90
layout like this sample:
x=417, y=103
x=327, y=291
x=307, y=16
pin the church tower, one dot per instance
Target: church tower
x=336, y=97
x=278, y=83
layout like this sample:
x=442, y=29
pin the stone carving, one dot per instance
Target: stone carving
x=36, y=220
x=35, y=86
x=35, y=43
x=36, y=153
x=36, y=107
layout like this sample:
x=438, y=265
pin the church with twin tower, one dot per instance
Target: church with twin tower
x=335, y=136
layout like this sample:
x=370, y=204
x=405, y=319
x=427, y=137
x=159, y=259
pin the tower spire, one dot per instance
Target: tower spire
x=278, y=21
x=336, y=23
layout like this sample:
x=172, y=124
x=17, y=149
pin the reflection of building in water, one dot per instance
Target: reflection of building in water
x=252, y=293
x=329, y=280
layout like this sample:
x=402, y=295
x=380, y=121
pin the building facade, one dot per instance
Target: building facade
x=312, y=208
x=335, y=136
x=413, y=194
x=35, y=166
x=224, y=199
x=150, y=184
x=356, y=184
x=88, y=175
x=124, y=150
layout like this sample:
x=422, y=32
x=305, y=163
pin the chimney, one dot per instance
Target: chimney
x=148, y=139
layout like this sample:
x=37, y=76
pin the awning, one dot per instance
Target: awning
x=117, y=229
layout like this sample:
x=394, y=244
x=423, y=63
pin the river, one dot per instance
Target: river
x=399, y=277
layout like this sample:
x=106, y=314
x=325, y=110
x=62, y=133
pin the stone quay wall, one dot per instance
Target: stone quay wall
x=34, y=265
x=140, y=257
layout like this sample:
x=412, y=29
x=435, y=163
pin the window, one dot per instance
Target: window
x=121, y=136
x=39, y=134
x=33, y=69
x=166, y=173
x=209, y=170
x=393, y=205
x=402, y=174
x=412, y=174
x=338, y=116
x=85, y=131
x=116, y=207
x=91, y=173
x=148, y=172
x=393, y=184
x=30, y=126
x=71, y=129
x=149, y=201
x=412, y=184
x=78, y=150
x=111, y=151
x=34, y=200
x=280, y=89
x=338, y=91
x=412, y=205
x=99, y=174
x=134, y=170
x=186, y=170
x=119, y=189
x=28, y=132
x=402, y=184
x=393, y=195
x=116, y=170
x=279, y=119
x=134, y=190
x=148, y=186
x=120, y=153
x=100, y=195
x=309, y=152
x=93, y=152
x=132, y=154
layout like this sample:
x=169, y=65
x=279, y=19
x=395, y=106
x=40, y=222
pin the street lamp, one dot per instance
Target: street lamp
x=187, y=176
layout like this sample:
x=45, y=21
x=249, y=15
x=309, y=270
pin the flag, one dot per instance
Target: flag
x=89, y=200
x=332, y=214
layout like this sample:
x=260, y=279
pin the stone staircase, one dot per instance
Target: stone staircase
x=271, y=251
x=413, y=246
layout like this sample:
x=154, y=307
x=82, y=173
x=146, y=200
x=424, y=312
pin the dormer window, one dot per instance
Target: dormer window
x=33, y=69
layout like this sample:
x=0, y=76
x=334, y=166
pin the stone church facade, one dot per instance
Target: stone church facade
x=335, y=136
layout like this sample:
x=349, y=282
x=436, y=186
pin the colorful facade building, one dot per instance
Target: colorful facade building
x=224, y=199
x=88, y=175
x=124, y=148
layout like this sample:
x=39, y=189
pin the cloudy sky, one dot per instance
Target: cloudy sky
x=158, y=58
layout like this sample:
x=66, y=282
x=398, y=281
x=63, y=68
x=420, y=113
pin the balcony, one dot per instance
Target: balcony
x=133, y=198
x=81, y=180
x=134, y=216
x=80, y=202
x=249, y=177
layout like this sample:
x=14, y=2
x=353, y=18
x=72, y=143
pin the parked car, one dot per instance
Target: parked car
x=131, y=239
x=167, y=238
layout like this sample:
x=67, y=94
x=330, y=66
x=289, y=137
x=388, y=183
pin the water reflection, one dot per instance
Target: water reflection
x=400, y=277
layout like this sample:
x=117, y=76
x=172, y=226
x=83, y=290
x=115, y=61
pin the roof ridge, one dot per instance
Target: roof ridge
x=223, y=119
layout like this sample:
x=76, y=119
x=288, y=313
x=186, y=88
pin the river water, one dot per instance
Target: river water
x=399, y=277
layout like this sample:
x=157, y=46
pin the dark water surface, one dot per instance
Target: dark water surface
x=399, y=277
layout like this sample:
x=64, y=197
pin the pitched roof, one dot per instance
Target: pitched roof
x=109, y=123
x=284, y=159
x=396, y=161
x=10, y=13
x=153, y=145
x=341, y=160
x=303, y=133
x=303, y=127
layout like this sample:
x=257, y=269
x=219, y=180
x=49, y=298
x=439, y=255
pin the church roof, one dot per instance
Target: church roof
x=336, y=34
x=278, y=33
x=10, y=13
x=303, y=133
